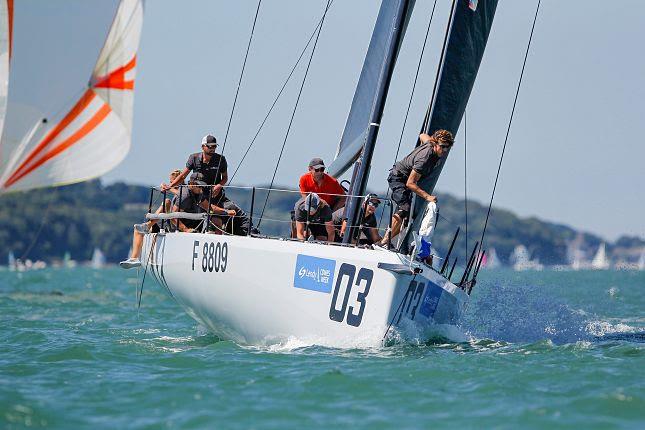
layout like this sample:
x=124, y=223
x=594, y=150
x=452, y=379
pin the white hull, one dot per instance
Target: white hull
x=264, y=291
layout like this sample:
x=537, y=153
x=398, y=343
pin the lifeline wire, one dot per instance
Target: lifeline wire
x=293, y=113
x=414, y=85
x=275, y=100
x=510, y=121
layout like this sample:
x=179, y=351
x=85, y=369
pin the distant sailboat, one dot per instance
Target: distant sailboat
x=67, y=260
x=11, y=261
x=600, y=260
x=94, y=135
x=98, y=259
x=520, y=260
x=491, y=260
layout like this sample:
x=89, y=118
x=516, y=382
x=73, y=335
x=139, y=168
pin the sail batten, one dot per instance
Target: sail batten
x=94, y=135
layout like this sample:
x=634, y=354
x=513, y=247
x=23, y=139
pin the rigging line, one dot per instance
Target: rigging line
x=465, y=175
x=293, y=113
x=414, y=85
x=275, y=101
x=42, y=224
x=510, y=121
x=239, y=82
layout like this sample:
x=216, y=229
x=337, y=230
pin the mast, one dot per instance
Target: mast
x=362, y=165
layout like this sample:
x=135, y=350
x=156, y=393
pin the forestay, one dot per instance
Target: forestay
x=356, y=127
x=94, y=136
x=468, y=34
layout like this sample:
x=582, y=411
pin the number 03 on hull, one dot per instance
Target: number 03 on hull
x=260, y=291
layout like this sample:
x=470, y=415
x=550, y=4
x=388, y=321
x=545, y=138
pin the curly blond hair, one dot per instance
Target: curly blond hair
x=175, y=173
x=443, y=136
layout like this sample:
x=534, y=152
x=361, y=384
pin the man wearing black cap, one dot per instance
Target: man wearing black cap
x=319, y=182
x=211, y=165
x=195, y=200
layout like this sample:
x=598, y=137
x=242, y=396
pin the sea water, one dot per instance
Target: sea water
x=538, y=350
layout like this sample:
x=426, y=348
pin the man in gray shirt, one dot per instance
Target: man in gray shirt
x=411, y=169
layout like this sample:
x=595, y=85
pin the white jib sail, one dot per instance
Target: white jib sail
x=6, y=24
x=94, y=136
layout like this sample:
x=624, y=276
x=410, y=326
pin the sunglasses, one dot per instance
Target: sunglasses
x=373, y=204
x=445, y=146
x=320, y=169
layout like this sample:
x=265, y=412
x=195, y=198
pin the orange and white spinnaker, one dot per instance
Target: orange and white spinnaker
x=6, y=31
x=94, y=136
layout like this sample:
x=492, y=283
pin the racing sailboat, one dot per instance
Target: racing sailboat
x=256, y=289
x=94, y=135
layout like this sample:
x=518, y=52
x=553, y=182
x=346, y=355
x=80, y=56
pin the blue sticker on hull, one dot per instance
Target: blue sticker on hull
x=313, y=273
x=430, y=300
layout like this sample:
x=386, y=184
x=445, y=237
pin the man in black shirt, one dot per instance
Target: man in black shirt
x=367, y=233
x=313, y=215
x=211, y=165
x=411, y=169
x=195, y=200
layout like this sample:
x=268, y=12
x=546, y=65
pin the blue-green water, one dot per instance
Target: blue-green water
x=547, y=350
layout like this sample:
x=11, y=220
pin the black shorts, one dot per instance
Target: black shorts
x=318, y=230
x=401, y=195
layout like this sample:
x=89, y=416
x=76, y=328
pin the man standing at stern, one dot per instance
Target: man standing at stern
x=406, y=173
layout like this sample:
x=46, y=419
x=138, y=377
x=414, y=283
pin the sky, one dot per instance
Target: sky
x=576, y=148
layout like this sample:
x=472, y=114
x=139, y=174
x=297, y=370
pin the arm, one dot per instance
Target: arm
x=376, y=238
x=300, y=230
x=411, y=184
x=301, y=185
x=218, y=187
x=178, y=180
x=331, y=234
x=216, y=209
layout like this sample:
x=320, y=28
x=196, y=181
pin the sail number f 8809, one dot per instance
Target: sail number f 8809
x=214, y=256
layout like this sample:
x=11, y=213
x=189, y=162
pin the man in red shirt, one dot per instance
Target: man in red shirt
x=319, y=182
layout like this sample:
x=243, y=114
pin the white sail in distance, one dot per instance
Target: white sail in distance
x=94, y=135
x=6, y=30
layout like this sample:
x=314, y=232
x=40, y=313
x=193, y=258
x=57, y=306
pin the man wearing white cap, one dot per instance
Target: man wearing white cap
x=313, y=215
x=211, y=165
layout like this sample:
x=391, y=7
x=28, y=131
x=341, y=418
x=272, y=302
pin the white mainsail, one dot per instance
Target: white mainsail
x=600, y=260
x=94, y=136
x=6, y=30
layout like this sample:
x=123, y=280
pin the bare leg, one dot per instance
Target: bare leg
x=397, y=222
x=137, y=244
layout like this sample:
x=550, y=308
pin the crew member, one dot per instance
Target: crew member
x=367, y=232
x=406, y=173
x=210, y=164
x=319, y=182
x=313, y=216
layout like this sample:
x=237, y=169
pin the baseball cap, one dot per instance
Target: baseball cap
x=371, y=197
x=197, y=179
x=316, y=163
x=311, y=202
x=209, y=140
